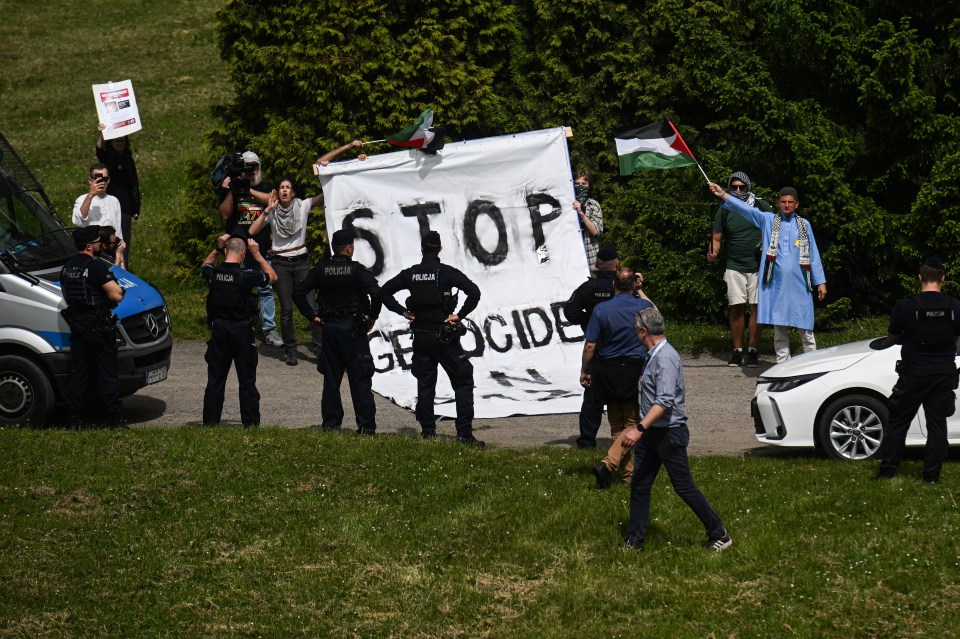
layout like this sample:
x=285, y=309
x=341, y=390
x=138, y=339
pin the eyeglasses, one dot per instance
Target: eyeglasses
x=105, y=178
x=741, y=188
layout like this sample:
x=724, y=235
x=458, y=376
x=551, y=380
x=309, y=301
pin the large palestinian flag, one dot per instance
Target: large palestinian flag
x=655, y=146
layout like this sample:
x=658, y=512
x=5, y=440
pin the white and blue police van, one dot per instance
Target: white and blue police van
x=34, y=337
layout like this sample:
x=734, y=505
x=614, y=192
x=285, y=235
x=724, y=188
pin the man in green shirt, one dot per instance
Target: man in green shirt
x=743, y=262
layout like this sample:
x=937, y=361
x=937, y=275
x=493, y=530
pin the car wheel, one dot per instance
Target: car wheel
x=851, y=427
x=26, y=395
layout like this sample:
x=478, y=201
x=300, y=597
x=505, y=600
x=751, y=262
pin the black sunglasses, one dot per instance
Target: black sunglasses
x=105, y=178
x=740, y=187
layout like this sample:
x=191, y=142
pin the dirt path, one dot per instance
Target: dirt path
x=718, y=404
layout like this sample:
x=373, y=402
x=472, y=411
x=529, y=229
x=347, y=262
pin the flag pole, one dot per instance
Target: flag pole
x=702, y=171
x=373, y=141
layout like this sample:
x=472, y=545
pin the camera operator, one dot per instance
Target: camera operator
x=243, y=197
x=91, y=292
x=431, y=310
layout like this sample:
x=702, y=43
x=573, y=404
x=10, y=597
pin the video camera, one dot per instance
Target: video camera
x=233, y=165
x=239, y=170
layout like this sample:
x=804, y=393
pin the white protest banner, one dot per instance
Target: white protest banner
x=117, y=109
x=503, y=208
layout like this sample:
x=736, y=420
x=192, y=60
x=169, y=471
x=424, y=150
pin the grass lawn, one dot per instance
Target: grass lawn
x=279, y=533
x=276, y=533
x=56, y=50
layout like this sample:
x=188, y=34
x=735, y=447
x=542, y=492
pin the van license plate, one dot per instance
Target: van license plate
x=157, y=375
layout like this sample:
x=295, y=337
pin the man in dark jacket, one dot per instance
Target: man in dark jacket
x=579, y=309
x=348, y=299
x=927, y=325
x=91, y=292
x=229, y=315
x=436, y=327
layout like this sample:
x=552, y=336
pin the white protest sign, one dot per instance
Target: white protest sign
x=117, y=109
x=503, y=208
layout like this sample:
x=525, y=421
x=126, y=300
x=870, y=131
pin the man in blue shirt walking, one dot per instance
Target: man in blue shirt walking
x=611, y=346
x=661, y=437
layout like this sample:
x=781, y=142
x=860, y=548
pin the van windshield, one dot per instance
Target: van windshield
x=31, y=234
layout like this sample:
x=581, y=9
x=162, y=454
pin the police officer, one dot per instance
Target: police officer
x=349, y=303
x=436, y=330
x=927, y=325
x=578, y=309
x=91, y=292
x=230, y=313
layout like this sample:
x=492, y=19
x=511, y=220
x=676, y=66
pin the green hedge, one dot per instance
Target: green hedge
x=854, y=104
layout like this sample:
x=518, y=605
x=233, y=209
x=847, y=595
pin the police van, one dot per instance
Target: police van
x=34, y=337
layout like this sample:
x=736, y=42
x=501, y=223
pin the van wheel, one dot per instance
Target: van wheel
x=26, y=395
x=851, y=427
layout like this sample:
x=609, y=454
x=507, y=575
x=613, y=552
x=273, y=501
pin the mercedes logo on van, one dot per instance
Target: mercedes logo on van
x=152, y=325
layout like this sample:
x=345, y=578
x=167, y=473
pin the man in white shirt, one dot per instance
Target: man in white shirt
x=95, y=206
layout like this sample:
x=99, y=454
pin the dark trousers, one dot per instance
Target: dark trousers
x=935, y=394
x=90, y=357
x=667, y=447
x=288, y=275
x=231, y=342
x=344, y=353
x=428, y=352
x=591, y=416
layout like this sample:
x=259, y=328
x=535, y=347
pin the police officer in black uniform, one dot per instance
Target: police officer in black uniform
x=578, y=310
x=436, y=335
x=348, y=299
x=927, y=325
x=91, y=292
x=230, y=315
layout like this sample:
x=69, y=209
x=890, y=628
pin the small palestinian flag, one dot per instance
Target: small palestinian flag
x=655, y=146
x=419, y=135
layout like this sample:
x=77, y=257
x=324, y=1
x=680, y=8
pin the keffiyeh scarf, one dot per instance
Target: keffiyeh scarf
x=287, y=219
x=803, y=242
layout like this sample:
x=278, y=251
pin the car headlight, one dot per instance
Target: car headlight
x=780, y=384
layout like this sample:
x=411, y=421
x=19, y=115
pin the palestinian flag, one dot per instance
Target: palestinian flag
x=418, y=135
x=655, y=146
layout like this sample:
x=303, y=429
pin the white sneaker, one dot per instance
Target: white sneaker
x=271, y=338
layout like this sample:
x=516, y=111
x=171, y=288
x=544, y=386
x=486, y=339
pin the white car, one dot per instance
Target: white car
x=835, y=399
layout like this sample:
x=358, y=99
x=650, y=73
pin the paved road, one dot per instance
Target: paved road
x=718, y=404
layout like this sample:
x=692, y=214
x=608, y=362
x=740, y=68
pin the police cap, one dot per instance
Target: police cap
x=607, y=253
x=86, y=234
x=934, y=262
x=431, y=238
x=343, y=237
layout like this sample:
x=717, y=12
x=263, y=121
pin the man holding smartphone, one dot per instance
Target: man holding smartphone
x=95, y=207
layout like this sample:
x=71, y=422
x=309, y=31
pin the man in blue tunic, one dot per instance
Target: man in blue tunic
x=790, y=269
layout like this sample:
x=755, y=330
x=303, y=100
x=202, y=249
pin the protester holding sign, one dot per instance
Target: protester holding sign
x=124, y=184
x=431, y=309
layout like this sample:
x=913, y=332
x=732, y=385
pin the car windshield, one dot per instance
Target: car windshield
x=28, y=231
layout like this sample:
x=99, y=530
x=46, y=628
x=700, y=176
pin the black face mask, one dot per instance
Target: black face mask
x=581, y=193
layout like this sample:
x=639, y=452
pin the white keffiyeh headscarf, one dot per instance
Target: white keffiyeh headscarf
x=288, y=220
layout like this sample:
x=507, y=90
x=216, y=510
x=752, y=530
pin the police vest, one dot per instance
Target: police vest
x=75, y=284
x=339, y=295
x=935, y=321
x=228, y=299
x=425, y=292
x=601, y=290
